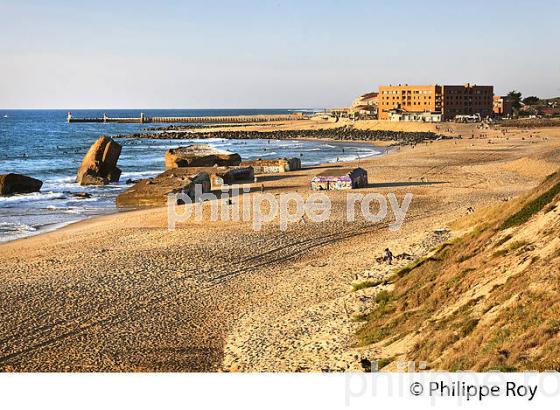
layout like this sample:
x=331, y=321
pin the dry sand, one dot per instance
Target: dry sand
x=122, y=293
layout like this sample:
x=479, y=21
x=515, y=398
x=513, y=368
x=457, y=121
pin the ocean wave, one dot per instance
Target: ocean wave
x=7, y=227
x=35, y=196
x=61, y=179
x=67, y=209
x=139, y=174
x=290, y=145
x=61, y=187
x=208, y=140
x=269, y=154
x=369, y=154
x=186, y=141
x=345, y=158
x=309, y=110
x=12, y=231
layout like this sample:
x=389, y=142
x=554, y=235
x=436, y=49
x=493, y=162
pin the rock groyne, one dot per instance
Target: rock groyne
x=341, y=134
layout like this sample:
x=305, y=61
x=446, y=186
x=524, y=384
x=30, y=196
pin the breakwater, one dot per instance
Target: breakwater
x=222, y=119
x=339, y=134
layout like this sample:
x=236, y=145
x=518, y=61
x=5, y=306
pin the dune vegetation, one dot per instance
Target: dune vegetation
x=489, y=300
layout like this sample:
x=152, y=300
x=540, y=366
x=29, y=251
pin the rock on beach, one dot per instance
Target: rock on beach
x=18, y=184
x=99, y=166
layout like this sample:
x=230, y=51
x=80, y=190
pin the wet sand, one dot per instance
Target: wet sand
x=122, y=293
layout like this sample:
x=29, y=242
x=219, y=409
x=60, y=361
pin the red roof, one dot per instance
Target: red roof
x=368, y=95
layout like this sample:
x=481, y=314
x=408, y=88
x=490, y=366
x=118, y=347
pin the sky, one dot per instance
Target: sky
x=267, y=54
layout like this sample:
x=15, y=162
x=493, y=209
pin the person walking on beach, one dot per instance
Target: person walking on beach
x=388, y=256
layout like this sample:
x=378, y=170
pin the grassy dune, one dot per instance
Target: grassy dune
x=487, y=301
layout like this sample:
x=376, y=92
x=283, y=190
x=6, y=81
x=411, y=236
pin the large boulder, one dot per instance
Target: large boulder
x=200, y=155
x=153, y=192
x=18, y=184
x=99, y=166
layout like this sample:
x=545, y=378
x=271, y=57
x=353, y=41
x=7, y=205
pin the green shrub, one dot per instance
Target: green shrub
x=512, y=247
x=381, y=363
x=410, y=267
x=501, y=368
x=361, y=317
x=499, y=253
x=553, y=327
x=503, y=240
x=531, y=208
x=383, y=297
x=366, y=284
x=468, y=327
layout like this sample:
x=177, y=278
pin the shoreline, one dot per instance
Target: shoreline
x=56, y=227
x=214, y=296
x=108, y=211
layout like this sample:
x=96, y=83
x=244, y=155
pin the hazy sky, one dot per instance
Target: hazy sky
x=229, y=54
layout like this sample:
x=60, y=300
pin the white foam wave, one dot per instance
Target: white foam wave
x=65, y=179
x=16, y=227
x=309, y=110
x=345, y=158
x=138, y=174
x=269, y=154
x=35, y=196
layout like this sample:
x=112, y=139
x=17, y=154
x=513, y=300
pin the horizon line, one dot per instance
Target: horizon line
x=165, y=108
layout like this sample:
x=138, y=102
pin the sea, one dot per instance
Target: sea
x=41, y=144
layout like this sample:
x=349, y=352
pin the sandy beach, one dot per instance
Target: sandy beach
x=122, y=293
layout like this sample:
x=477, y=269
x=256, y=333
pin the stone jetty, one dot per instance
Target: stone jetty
x=219, y=119
x=341, y=134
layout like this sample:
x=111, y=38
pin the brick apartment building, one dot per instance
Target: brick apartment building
x=411, y=98
x=502, y=105
x=449, y=100
x=467, y=100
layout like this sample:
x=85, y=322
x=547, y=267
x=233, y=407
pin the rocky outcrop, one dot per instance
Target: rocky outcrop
x=18, y=184
x=99, y=166
x=344, y=133
x=153, y=192
x=199, y=155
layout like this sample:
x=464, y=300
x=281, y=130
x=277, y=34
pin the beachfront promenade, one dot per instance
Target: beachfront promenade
x=199, y=119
